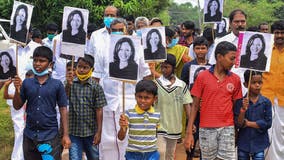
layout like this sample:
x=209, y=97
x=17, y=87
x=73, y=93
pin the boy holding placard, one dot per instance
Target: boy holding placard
x=253, y=116
x=86, y=99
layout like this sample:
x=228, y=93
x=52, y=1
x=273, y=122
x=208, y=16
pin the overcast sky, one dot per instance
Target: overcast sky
x=193, y=2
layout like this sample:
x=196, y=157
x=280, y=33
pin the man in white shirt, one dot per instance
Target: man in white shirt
x=237, y=23
x=110, y=146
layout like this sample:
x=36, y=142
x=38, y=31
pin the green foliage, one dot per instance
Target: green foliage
x=52, y=10
x=257, y=11
x=183, y=12
x=6, y=129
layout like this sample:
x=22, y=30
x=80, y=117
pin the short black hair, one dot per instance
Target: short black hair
x=263, y=23
x=51, y=27
x=69, y=64
x=43, y=51
x=156, y=19
x=278, y=25
x=146, y=86
x=171, y=59
x=209, y=34
x=88, y=59
x=129, y=18
x=188, y=25
x=36, y=33
x=234, y=12
x=169, y=32
x=253, y=28
x=29, y=73
x=224, y=47
x=247, y=73
x=198, y=41
x=91, y=28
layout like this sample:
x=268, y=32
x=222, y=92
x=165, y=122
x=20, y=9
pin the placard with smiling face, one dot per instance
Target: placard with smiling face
x=123, y=57
x=154, y=44
x=256, y=51
x=7, y=64
x=20, y=22
x=74, y=26
x=213, y=11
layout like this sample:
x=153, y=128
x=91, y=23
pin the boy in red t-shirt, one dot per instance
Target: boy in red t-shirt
x=218, y=88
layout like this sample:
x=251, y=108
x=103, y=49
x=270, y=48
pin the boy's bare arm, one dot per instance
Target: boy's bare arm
x=17, y=101
x=123, y=122
x=243, y=109
x=66, y=142
x=99, y=116
x=189, y=142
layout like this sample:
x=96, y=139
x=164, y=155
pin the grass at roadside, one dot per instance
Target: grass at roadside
x=6, y=130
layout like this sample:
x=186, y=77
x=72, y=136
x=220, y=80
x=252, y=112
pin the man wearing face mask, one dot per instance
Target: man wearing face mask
x=110, y=146
x=51, y=31
x=101, y=36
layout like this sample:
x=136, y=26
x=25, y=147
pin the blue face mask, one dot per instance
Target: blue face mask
x=173, y=43
x=50, y=36
x=117, y=33
x=107, y=21
x=139, y=33
x=40, y=73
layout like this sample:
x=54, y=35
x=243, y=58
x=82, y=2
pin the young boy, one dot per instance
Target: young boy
x=42, y=93
x=253, y=116
x=86, y=99
x=218, y=88
x=200, y=48
x=173, y=99
x=142, y=122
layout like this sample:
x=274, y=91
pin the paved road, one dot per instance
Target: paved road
x=180, y=154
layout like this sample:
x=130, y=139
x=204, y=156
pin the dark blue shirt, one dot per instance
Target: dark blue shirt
x=254, y=140
x=41, y=100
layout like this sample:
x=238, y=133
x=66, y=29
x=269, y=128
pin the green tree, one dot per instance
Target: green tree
x=183, y=12
x=52, y=10
x=257, y=10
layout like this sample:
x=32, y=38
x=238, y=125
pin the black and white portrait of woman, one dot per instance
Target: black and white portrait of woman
x=20, y=23
x=7, y=67
x=194, y=71
x=254, y=54
x=213, y=10
x=222, y=28
x=75, y=33
x=124, y=65
x=154, y=48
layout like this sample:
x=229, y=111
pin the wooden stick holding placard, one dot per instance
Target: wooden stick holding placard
x=250, y=73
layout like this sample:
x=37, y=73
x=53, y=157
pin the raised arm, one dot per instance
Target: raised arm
x=17, y=101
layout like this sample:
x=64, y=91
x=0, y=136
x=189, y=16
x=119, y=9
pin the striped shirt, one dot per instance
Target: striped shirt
x=84, y=99
x=142, y=129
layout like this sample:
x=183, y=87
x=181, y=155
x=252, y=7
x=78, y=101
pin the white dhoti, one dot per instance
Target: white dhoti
x=276, y=134
x=111, y=148
x=19, y=125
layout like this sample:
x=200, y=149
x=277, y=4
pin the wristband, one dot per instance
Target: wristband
x=243, y=110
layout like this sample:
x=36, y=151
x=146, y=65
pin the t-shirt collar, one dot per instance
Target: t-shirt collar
x=141, y=111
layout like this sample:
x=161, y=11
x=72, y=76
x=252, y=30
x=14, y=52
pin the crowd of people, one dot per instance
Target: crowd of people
x=234, y=114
